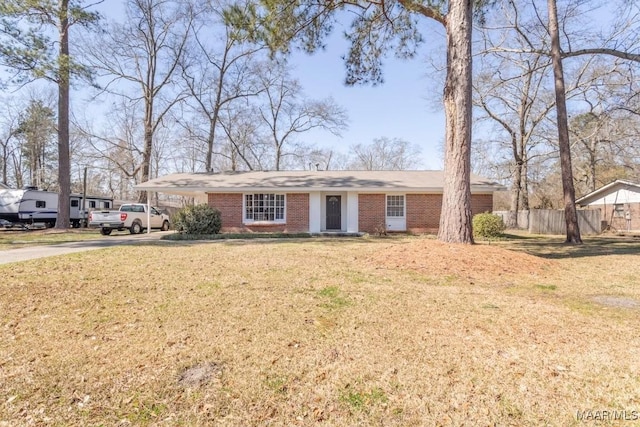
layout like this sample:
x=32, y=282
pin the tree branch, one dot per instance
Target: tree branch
x=604, y=51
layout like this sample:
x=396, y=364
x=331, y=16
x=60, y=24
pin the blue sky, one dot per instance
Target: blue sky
x=402, y=107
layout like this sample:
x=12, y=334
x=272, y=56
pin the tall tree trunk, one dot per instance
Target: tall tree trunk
x=569, y=195
x=593, y=159
x=216, y=115
x=210, y=140
x=64, y=162
x=455, y=218
x=5, y=160
x=516, y=189
x=516, y=183
x=148, y=142
x=524, y=192
x=278, y=156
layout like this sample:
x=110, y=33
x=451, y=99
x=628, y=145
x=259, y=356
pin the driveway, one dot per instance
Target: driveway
x=33, y=252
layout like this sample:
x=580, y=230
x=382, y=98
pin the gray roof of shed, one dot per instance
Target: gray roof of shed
x=304, y=181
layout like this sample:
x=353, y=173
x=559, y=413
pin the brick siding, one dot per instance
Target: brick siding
x=297, y=212
x=481, y=203
x=620, y=223
x=230, y=207
x=422, y=211
x=371, y=212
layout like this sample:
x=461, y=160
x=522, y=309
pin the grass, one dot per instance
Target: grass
x=555, y=248
x=13, y=239
x=322, y=331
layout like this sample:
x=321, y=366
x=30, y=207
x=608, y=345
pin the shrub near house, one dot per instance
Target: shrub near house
x=488, y=225
x=198, y=219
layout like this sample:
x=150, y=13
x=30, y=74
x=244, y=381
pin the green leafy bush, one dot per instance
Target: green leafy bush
x=488, y=225
x=197, y=219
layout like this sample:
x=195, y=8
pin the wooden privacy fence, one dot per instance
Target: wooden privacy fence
x=523, y=218
x=547, y=221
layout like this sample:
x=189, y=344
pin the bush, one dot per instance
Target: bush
x=198, y=219
x=488, y=225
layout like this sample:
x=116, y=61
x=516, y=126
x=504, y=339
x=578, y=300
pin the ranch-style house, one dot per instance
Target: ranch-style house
x=323, y=201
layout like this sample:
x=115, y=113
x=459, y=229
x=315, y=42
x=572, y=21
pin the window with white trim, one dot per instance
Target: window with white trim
x=395, y=206
x=264, y=207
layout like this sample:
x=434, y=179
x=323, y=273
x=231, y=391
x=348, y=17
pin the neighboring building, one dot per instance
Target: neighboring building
x=619, y=204
x=324, y=201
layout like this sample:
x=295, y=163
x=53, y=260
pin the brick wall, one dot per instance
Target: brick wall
x=371, y=212
x=230, y=207
x=620, y=223
x=423, y=212
x=297, y=212
x=481, y=203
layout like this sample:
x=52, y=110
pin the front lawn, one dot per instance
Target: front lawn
x=373, y=331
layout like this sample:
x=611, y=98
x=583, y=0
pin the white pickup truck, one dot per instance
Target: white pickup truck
x=132, y=216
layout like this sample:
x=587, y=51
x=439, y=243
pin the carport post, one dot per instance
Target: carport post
x=148, y=213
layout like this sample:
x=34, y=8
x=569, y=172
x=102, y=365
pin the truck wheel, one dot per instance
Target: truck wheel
x=105, y=231
x=165, y=226
x=136, y=228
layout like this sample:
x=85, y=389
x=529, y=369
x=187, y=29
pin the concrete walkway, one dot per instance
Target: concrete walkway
x=33, y=252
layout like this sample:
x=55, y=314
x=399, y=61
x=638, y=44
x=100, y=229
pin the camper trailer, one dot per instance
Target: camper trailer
x=31, y=206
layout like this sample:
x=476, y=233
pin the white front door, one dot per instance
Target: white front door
x=396, y=212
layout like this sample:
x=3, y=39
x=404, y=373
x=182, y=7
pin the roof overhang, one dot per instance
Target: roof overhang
x=600, y=192
x=309, y=181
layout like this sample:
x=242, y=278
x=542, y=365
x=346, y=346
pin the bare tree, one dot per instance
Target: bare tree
x=139, y=59
x=217, y=70
x=570, y=211
x=604, y=147
x=511, y=93
x=573, y=230
x=514, y=103
x=10, y=118
x=285, y=114
x=385, y=154
x=247, y=148
x=116, y=148
x=521, y=38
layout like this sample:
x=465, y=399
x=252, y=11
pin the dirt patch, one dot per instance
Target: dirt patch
x=472, y=261
x=619, y=302
x=201, y=374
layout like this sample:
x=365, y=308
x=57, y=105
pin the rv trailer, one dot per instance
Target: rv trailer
x=31, y=206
